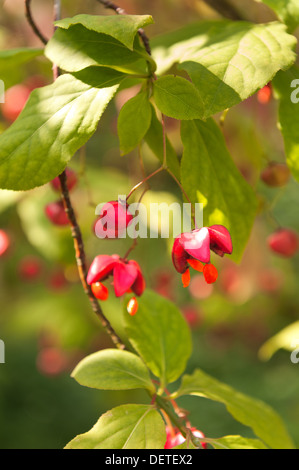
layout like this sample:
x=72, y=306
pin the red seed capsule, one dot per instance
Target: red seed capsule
x=186, y=278
x=195, y=264
x=113, y=220
x=210, y=273
x=100, y=291
x=132, y=306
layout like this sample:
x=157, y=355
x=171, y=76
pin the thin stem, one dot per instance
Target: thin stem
x=81, y=261
x=57, y=11
x=179, y=184
x=144, y=181
x=132, y=247
x=185, y=194
x=31, y=21
x=177, y=421
x=142, y=165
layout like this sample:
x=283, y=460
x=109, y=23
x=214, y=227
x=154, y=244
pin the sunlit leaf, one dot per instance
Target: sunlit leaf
x=76, y=48
x=124, y=427
x=287, y=339
x=112, y=369
x=286, y=85
x=286, y=10
x=264, y=421
x=56, y=121
x=237, y=442
x=123, y=27
x=228, y=61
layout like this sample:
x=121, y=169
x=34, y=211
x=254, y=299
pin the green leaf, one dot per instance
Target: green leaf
x=229, y=61
x=177, y=98
x=286, y=10
x=164, y=46
x=133, y=122
x=99, y=77
x=12, y=60
x=287, y=338
x=154, y=333
x=56, y=121
x=209, y=176
x=286, y=85
x=112, y=369
x=76, y=48
x=236, y=442
x=123, y=27
x=154, y=139
x=264, y=421
x=124, y=427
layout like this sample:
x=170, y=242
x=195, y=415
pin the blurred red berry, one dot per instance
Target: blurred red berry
x=51, y=361
x=56, y=213
x=270, y=280
x=163, y=282
x=72, y=180
x=100, y=291
x=276, y=174
x=191, y=316
x=230, y=280
x=15, y=100
x=30, y=268
x=284, y=242
x=113, y=220
x=57, y=280
x=4, y=242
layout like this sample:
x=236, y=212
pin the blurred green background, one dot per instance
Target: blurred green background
x=45, y=318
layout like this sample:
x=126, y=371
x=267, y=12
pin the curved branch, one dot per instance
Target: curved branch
x=32, y=22
x=81, y=261
x=120, y=11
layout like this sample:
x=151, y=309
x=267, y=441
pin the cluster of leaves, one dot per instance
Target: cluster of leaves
x=226, y=62
x=193, y=74
x=153, y=333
